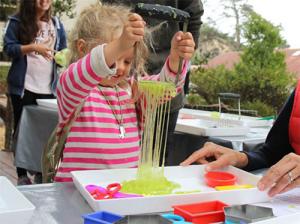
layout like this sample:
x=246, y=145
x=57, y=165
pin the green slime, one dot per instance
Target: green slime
x=150, y=181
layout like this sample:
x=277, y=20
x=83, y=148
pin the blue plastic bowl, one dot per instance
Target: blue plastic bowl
x=101, y=217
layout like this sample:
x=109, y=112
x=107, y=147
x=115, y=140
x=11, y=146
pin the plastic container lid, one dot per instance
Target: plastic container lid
x=218, y=178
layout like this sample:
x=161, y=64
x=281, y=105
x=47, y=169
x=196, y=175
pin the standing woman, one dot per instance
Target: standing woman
x=31, y=38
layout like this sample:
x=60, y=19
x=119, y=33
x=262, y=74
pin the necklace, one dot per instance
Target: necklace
x=120, y=121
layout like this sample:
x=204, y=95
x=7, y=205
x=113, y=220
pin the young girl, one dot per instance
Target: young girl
x=31, y=37
x=108, y=40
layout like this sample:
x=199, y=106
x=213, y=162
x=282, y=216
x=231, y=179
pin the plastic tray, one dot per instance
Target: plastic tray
x=190, y=178
x=244, y=120
x=211, y=127
x=14, y=206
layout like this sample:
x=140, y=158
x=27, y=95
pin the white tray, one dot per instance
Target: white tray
x=210, y=127
x=290, y=219
x=14, y=207
x=51, y=103
x=248, y=121
x=190, y=178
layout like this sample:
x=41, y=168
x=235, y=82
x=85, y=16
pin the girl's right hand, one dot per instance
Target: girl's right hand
x=222, y=157
x=43, y=50
x=133, y=31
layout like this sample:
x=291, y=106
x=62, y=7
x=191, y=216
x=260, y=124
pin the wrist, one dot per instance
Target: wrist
x=112, y=51
x=242, y=160
x=173, y=62
x=32, y=47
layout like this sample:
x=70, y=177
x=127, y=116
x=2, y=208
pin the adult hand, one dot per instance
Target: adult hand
x=222, y=157
x=45, y=51
x=133, y=31
x=283, y=176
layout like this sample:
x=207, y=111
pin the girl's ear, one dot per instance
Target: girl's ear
x=81, y=47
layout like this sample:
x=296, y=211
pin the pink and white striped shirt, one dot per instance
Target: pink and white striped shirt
x=93, y=141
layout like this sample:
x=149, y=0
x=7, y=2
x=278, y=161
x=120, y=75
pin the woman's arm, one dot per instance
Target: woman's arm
x=12, y=44
x=277, y=144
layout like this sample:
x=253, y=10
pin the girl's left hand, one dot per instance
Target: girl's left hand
x=283, y=176
x=182, y=45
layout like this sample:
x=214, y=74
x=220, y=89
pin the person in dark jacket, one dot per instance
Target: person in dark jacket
x=161, y=43
x=31, y=38
x=281, y=152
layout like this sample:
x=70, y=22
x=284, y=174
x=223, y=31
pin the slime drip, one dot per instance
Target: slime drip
x=155, y=105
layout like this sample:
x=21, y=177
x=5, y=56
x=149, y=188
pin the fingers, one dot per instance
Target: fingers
x=184, y=44
x=295, y=183
x=276, y=172
x=198, y=155
x=283, y=176
x=137, y=24
x=221, y=162
x=287, y=182
x=48, y=56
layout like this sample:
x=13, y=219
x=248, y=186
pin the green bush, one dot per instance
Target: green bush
x=261, y=108
x=209, y=82
x=3, y=72
x=3, y=75
x=260, y=77
x=194, y=99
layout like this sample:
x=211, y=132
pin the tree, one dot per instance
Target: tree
x=237, y=9
x=61, y=7
x=261, y=77
x=261, y=73
x=7, y=8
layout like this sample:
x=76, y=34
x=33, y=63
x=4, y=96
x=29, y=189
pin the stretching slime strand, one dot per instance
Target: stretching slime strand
x=155, y=108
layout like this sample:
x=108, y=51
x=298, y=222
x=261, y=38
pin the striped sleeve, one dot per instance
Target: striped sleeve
x=79, y=79
x=167, y=75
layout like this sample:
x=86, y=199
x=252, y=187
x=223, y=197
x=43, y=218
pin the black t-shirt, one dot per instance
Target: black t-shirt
x=277, y=144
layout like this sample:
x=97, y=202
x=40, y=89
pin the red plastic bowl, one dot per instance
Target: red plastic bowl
x=217, y=178
x=202, y=213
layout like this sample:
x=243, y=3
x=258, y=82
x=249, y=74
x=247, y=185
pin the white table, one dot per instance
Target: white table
x=246, y=130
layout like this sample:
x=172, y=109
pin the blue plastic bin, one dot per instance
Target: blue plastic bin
x=101, y=217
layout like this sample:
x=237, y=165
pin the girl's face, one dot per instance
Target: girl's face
x=123, y=65
x=43, y=5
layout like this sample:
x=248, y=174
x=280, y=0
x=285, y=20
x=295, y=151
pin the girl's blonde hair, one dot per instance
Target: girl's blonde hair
x=98, y=24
